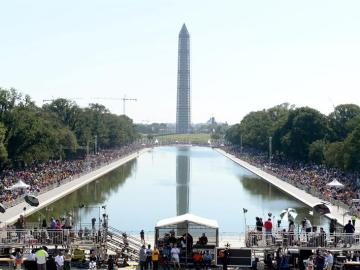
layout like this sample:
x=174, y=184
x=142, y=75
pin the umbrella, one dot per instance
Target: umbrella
x=32, y=200
x=335, y=183
x=321, y=209
x=2, y=208
x=289, y=214
x=18, y=185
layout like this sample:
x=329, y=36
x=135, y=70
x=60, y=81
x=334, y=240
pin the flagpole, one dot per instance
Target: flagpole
x=244, y=211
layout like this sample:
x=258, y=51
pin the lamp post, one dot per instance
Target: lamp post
x=93, y=207
x=241, y=143
x=95, y=144
x=270, y=149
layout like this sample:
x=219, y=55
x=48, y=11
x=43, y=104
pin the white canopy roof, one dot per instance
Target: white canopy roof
x=187, y=217
x=334, y=183
x=18, y=185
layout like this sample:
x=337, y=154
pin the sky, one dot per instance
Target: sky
x=245, y=55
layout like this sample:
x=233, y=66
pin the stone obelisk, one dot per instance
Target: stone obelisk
x=183, y=108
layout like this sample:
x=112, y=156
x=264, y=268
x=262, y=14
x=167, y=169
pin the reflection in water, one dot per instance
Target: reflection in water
x=95, y=193
x=143, y=191
x=182, y=181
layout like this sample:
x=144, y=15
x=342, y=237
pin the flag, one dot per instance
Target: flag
x=245, y=210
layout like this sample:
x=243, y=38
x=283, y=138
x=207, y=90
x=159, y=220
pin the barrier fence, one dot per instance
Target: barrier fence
x=64, y=237
x=296, y=239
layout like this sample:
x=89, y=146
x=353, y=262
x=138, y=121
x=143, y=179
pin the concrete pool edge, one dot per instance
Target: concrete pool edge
x=12, y=213
x=298, y=194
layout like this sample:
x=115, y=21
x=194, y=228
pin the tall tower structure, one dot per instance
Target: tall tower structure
x=183, y=108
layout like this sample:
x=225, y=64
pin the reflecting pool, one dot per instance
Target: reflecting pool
x=169, y=181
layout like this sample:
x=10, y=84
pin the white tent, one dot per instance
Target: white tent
x=189, y=218
x=188, y=223
x=335, y=183
x=19, y=185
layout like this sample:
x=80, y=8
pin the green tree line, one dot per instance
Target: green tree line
x=29, y=133
x=304, y=134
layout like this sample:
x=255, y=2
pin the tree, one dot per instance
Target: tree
x=3, y=151
x=66, y=111
x=343, y=120
x=316, y=151
x=302, y=127
x=352, y=150
x=232, y=135
x=31, y=138
x=256, y=129
x=334, y=155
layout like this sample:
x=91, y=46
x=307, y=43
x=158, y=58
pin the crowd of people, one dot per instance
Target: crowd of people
x=303, y=234
x=39, y=177
x=175, y=251
x=312, y=177
x=170, y=255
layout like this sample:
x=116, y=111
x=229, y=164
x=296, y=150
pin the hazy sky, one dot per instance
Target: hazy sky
x=245, y=55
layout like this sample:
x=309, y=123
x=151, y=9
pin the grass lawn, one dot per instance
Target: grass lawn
x=201, y=137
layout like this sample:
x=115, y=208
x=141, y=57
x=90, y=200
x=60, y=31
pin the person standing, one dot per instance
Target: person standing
x=291, y=232
x=332, y=226
x=308, y=228
x=148, y=257
x=349, y=229
x=155, y=258
x=67, y=260
x=268, y=230
x=225, y=258
x=353, y=219
x=175, y=257
x=142, y=258
x=40, y=257
x=259, y=225
x=207, y=258
x=319, y=260
x=59, y=260
x=329, y=260
x=142, y=238
x=110, y=263
x=166, y=256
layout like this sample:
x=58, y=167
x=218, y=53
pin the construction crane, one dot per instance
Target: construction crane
x=124, y=100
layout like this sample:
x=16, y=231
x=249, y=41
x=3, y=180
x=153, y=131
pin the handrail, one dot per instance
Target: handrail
x=302, y=239
x=128, y=236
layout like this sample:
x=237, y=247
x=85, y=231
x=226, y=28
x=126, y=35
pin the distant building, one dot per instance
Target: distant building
x=211, y=121
x=183, y=107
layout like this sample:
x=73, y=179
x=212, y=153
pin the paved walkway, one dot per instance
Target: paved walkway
x=335, y=212
x=12, y=213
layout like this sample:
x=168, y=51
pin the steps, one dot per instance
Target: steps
x=120, y=241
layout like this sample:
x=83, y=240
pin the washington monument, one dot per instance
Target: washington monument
x=183, y=108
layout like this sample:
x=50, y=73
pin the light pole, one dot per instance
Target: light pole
x=270, y=149
x=241, y=143
x=93, y=207
x=95, y=144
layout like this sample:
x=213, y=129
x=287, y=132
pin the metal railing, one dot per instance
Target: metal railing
x=303, y=239
x=64, y=237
